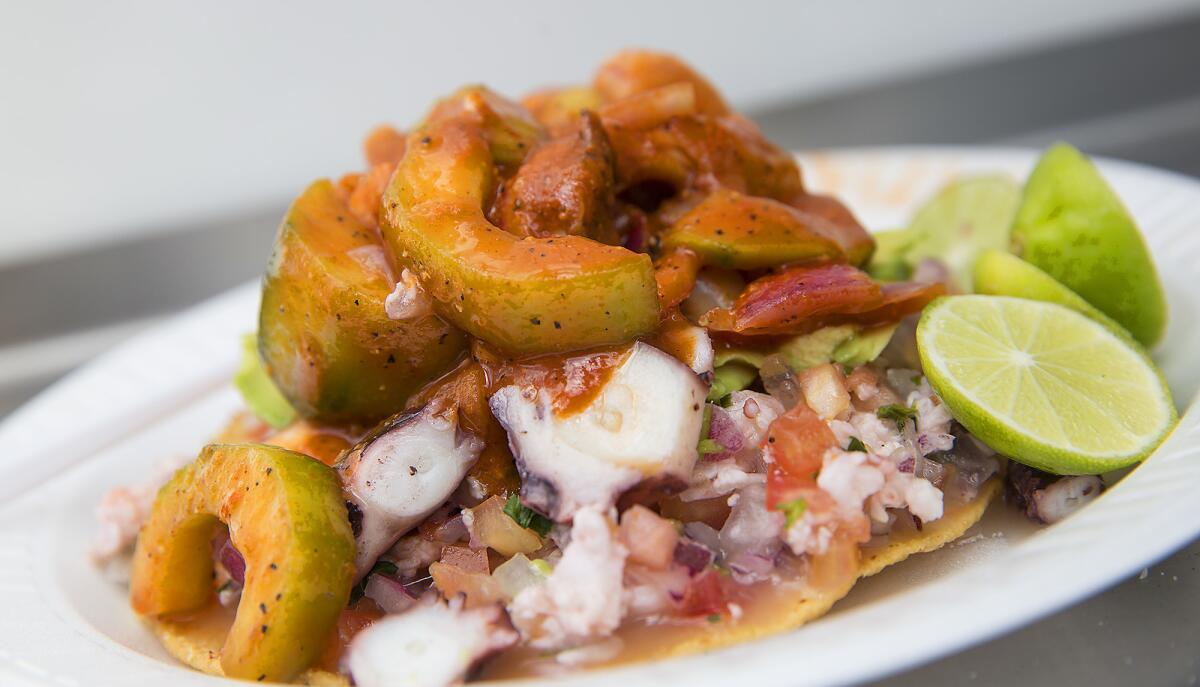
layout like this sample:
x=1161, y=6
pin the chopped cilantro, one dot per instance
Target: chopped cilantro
x=714, y=618
x=856, y=444
x=708, y=446
x=385, y=568
x=526, y=517
x=792, y=510
x=898, y=414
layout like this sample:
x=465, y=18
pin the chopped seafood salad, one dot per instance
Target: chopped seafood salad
x=593, y=378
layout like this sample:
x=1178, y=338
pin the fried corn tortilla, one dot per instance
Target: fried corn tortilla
x=198, y=644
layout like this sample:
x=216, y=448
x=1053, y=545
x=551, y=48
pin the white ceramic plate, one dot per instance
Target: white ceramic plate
x=161, y=394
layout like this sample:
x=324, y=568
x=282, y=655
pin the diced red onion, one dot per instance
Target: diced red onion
x=974, y=463
x=751, y=566
x=693, y=555
x=931, y=470
x=750, y=537
x=391, y=595
x=451, y=531
x=724, y=431
x=703, y=534
x=229, y=558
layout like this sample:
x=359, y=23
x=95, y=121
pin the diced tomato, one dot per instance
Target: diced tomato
x=479, y=589
x=797, y=441
x=704, y=595
x=351, y=621
x=466, y=559
x=649, y=538
x=784, y=488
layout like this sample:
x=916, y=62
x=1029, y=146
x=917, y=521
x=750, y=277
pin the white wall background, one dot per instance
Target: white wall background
x=119, y=118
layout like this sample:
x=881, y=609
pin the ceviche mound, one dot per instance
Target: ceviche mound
x=592, y=378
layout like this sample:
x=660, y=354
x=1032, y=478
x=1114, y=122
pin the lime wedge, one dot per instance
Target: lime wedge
x=1072, y=225
x=1043, y=384
x=966, y=217
x=1003, y=274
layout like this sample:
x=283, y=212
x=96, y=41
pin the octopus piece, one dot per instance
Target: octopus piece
x=431, y=645
x=1049, y=498
x=400, y=473
x=641, y=427
x=408, y=300
x=582, y=599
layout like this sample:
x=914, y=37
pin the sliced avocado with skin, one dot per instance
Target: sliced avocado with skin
x=324, y=334
x=287, y=517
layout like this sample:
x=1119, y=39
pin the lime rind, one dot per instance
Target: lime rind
x=1043, y=384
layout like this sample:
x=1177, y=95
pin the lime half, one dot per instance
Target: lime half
x=1043, y=384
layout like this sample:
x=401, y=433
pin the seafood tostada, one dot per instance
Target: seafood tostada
x=581, y=380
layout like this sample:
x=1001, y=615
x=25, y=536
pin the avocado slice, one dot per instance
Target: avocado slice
x=324, y=334
x=523, y=295
x=287, y=517
x=733, y=230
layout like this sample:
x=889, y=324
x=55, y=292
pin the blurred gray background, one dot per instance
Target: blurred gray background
x=148, y=150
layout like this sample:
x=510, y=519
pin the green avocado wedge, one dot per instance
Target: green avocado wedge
x=324, y=334
x=1072, y=225
x=287, y=517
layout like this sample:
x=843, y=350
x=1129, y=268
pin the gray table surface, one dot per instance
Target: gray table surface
x=1145, y=630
